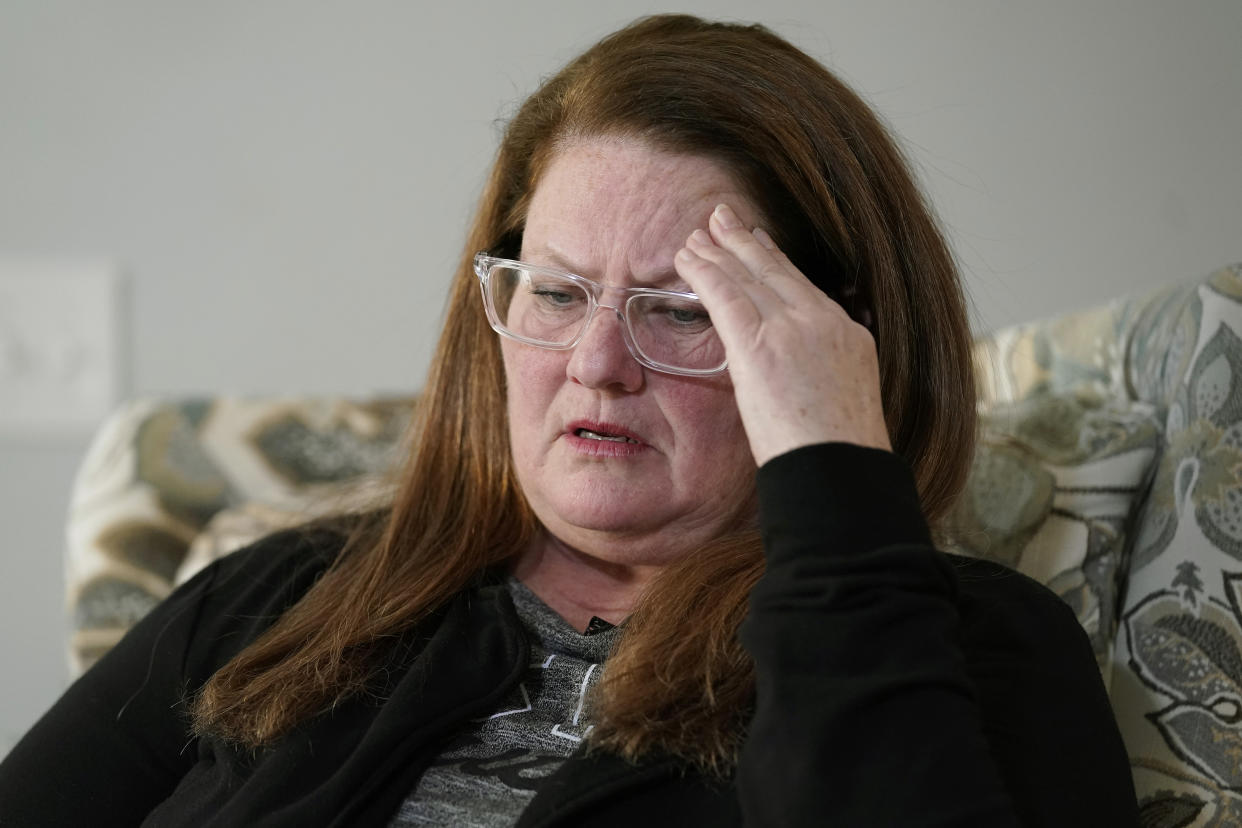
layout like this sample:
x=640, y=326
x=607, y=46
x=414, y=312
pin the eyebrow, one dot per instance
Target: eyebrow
x=664, y=280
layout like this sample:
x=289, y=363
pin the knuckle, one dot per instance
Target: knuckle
x=704, y=263
x=710, y=256
x=770, y=270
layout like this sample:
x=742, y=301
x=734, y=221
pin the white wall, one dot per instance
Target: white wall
x=285, y=185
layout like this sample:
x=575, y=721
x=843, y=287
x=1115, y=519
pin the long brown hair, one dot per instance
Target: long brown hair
x=839, y=199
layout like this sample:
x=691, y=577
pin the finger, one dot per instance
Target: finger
x=769, y=244
x=757, y=252
x=733, y=311
x=864, y=315
x=764, y=298
x=797, y=290
x=775, y=271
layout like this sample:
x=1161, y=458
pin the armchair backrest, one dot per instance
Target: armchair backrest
x=1173, y=622
x=168, y=486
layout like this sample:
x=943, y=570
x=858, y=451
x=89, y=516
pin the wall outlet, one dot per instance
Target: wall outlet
x=60, y=342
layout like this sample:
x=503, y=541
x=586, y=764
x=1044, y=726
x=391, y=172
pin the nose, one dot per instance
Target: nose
x=601, y=358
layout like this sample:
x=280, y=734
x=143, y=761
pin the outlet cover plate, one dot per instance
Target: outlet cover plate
x=60, y=338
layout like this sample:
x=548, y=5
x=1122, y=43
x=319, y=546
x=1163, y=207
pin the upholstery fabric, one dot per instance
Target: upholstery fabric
x=1109, y=468
x=1176, y=684
x=162, y=479
x=1051, y=490
x=1177, y=688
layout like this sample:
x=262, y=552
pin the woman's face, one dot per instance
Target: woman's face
x=616, y=211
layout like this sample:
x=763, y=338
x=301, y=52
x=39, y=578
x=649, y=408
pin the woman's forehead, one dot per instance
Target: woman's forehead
x=620, y=206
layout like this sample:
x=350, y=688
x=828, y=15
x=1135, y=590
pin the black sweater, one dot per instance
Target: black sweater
x=896, y=687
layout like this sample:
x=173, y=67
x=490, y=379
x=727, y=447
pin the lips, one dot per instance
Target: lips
x=586, y=433
x=603, y=432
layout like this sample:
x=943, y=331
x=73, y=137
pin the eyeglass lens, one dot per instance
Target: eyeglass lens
x=549, y=309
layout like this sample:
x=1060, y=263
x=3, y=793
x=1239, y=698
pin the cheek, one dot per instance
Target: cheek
x=715, y=466
x=532, y=377
x=708, y=426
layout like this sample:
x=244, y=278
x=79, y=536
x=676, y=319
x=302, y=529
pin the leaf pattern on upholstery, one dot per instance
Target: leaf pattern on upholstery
x=304, y=452
x=171, y=461
x=1167, y=809
x=1051, y=490
x=1189, y=651
x=1178, y=664
x=160, y=474
x=1201, y=471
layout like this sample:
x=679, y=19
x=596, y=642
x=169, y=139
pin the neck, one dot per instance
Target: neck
x=578, y=586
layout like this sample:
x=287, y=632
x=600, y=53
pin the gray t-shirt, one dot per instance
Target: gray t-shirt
x=491, y=770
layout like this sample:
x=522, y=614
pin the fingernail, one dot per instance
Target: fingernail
x=726, y=217
x=764, y=238
x=685, y=253
x=701, y=237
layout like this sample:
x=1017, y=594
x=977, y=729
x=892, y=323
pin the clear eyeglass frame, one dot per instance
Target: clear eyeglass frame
x=484, y=264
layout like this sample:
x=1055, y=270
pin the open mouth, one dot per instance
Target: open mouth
x=588, y=434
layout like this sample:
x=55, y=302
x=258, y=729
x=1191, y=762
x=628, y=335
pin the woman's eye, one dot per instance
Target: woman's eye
x=691, y=317
x=679, y=318
x=687, y=316
x=553, y=296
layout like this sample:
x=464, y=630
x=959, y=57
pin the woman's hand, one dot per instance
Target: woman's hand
x=803, y=372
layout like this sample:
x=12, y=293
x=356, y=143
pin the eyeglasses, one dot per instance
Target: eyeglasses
x=666, y=330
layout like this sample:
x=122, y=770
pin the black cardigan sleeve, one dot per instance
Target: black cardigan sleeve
x=900, y=686
x=118, y=741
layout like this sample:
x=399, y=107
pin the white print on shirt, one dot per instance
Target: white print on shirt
x=582, y=691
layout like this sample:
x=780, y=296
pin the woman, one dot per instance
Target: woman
x=730, y=394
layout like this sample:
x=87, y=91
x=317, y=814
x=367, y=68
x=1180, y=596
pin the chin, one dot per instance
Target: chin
x=604, y=517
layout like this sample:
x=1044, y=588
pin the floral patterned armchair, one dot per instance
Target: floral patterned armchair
x=1126, y=499
x=1109, y=468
